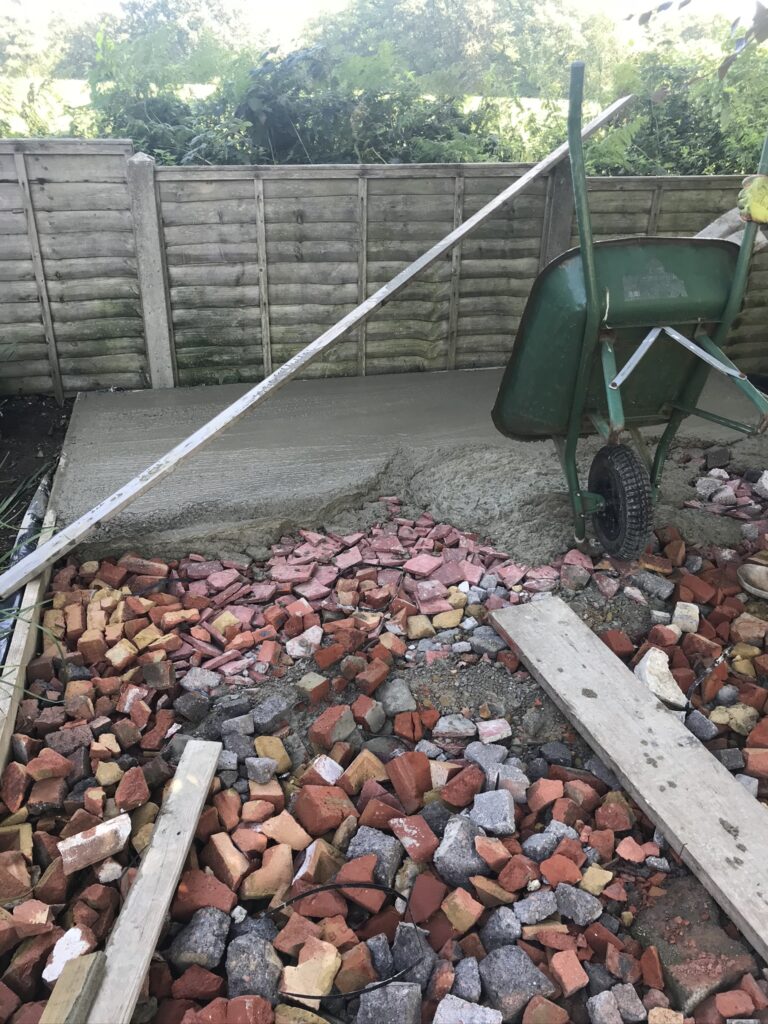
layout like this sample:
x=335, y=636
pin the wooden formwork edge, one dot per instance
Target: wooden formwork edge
x=137, y=929
x=21, y=648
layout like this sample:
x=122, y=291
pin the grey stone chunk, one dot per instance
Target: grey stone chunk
x=557, y=753
x=437, y=815
x=578, y=906
x=389, y=852
x=536, y=907
x=727, y=696
x=601, y=771
x=227, y=761
x=701, y=727
x=694, y=563
x=432, y=751
x=385, y=747
x=503, y=928
x=628, y=1001
x=509, y=777
x=658, y=864
x=466, y=981
x=193, y=706
x=560, y=830
x=485, y=640
x=197, y=679
x=489, y=581
x=494, y=812
x=269, y=713
x=653, y=585
x=451, y=1010
x=750, y=784
x=610, y=922
x=540, y=845
x=454, y=727
x=603, y=1009
x=243, y=724
x=399, y=1002
x=263, y=927
x=295, y=749
x=511, y=980
x=731, y=758
x=537, y=767
x=260, y=769
x=395, y=694
x=173, y=749
x=240, y=745
x=600, y=979
x=485, y=754
x=253, y=968
x=456, y=859
x=381, y=956
x=411, y=949
x=202, y=941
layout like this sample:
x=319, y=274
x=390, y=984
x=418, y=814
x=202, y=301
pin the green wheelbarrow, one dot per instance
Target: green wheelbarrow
x=616, y=336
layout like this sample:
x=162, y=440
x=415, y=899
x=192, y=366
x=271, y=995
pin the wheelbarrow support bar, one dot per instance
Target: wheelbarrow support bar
x=72, y=535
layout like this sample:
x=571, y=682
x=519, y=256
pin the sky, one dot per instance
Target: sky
x=282, y=22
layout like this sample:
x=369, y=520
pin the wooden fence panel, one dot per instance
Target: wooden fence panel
x=71, y=313
x=254, y=262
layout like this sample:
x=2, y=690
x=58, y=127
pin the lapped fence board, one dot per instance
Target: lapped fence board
x=321, y=225
x=137, y=929
x=718, y=829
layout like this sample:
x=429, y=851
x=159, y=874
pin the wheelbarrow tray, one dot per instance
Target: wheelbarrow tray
x=650, y=282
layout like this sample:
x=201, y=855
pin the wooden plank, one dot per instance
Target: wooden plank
x=22, y=645
x=74, y=992
x=150, y=260
x=68, y=147
x=362, y=267
x=137, y=930
x=286, y=172
x=39, y=270
x=558, y=215
x=709, y=819
x=261, y=256
x=453, y=301
x=74, y=533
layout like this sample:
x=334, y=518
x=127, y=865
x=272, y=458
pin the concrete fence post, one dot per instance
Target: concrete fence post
x=151, y=269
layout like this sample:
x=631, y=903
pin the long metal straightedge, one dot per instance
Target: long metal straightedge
x=72, y=535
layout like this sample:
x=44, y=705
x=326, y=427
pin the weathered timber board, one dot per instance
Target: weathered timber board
x=139, y=924
x=709, y=819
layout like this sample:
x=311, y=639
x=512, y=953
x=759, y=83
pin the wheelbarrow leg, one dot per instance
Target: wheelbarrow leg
x=567, y=454
x=662, y=450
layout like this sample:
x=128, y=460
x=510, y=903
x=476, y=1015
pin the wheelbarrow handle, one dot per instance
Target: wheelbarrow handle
x=579, y=179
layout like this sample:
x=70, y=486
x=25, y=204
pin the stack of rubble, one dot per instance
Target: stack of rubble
x=523, y=884
x=524, y=888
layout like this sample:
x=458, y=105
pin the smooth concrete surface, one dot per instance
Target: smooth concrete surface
x=312, y=451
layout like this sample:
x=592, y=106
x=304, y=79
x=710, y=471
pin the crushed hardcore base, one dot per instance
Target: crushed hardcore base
x=528, y=886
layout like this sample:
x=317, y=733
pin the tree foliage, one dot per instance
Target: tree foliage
x=400, y=81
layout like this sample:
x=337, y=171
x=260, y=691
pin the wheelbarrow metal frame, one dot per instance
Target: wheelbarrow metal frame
x=586, y=503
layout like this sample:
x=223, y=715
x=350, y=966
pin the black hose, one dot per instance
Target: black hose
x=26, y=542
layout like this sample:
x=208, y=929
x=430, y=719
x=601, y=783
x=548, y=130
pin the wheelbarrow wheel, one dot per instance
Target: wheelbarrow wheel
x=622, y=527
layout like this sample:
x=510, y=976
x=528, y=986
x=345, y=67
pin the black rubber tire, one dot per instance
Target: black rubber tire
x=619, y=475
